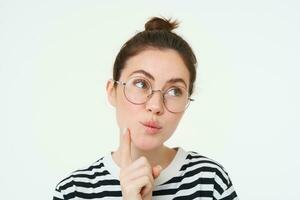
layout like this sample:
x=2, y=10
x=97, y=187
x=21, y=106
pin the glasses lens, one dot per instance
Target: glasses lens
x=176, y=99
x=137, y=90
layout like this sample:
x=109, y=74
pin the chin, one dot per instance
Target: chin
x=146, y=144
x=145, y=141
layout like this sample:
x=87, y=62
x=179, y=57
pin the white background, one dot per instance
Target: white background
x=56, y=56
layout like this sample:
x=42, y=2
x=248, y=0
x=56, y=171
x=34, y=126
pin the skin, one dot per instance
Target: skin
x=141, y=156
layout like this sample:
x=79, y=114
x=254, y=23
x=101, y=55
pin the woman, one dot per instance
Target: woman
x=152, y=84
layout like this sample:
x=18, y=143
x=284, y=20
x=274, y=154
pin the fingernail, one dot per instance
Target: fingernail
x=124, y=131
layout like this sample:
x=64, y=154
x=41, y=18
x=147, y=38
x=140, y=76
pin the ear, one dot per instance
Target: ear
x=111, y=92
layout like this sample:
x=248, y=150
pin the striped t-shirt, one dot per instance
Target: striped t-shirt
x=188, y=176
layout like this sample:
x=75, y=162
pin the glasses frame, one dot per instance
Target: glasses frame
x=189, y=99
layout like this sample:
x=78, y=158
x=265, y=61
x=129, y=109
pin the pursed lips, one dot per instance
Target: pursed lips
x=151, y=124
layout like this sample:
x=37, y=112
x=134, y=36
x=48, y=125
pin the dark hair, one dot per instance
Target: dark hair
x=157, y=34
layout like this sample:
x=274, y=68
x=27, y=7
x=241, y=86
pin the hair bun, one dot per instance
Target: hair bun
x=156, y=23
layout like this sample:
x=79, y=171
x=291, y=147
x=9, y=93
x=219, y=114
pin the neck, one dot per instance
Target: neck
x=155, y=157
x=161, y=156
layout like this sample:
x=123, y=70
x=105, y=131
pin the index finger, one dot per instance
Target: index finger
x=125, y=147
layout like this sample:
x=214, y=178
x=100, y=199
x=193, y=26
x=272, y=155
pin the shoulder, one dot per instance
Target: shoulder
x=82, y=176
x=203, y=174
x=203, y=166
x=91, y=182
x=194, y=158
x=213, y=173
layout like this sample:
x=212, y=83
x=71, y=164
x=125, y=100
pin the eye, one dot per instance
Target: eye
x=141, y=83
x=175, y=92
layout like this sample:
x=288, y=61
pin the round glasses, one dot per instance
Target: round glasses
x=138, y=90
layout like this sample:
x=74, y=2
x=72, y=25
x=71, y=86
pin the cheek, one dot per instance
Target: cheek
x=127, y=112
x=173, y=123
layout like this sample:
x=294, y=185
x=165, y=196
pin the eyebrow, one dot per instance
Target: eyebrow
x=147, y=74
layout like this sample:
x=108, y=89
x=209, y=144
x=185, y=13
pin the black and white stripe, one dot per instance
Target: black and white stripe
x=198, y=178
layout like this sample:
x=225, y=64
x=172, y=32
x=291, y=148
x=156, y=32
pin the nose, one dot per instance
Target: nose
x=155, y=103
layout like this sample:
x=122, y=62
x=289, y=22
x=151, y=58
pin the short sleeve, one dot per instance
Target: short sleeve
x=64, y=188
x=223, y=188
x=57, y=194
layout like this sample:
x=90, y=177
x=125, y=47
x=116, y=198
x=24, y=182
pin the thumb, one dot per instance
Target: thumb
x=156, y=171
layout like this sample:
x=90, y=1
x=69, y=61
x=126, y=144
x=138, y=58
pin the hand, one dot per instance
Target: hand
x=136, y=177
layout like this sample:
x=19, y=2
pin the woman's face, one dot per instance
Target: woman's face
x=159, y=67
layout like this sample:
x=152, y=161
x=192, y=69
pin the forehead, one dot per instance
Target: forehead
x=161, y=64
